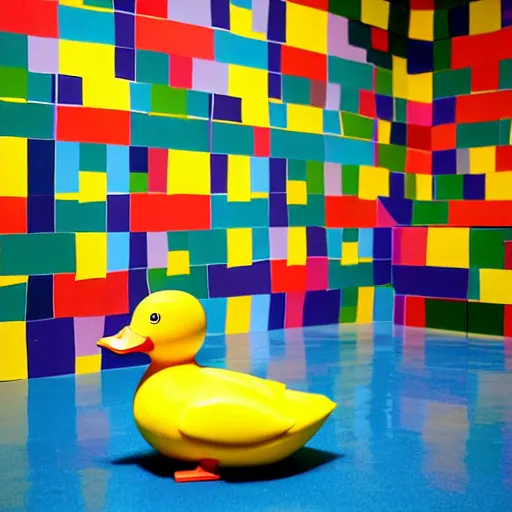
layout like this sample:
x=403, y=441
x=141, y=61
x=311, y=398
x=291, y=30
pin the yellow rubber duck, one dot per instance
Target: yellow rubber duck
x=209, y=416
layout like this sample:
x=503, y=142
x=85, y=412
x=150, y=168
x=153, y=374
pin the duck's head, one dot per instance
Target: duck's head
x=169, y=325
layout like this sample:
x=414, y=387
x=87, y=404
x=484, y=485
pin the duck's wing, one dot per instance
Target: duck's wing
x=234, y=411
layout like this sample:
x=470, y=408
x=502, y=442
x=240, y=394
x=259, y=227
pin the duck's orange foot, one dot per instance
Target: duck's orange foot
x=206, y=471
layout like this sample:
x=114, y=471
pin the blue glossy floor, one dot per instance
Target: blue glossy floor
x=424, y=423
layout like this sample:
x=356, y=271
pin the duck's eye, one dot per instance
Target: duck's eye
x=154, y=318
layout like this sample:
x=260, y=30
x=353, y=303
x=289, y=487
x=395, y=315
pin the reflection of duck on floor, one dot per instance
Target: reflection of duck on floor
x=205, y=415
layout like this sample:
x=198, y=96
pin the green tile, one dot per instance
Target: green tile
x=297, y=170
x=93, y=157
x=350, y=234
x=13, y=299
x=505, y=81
x=315, y=177
x=28, y=120
x=391, y=157
x=359, y=35
x=348, y=315
x=138, y=182
x=296, y=90
x=13, y=83
x=441, y=26
x=37, y=253
x=351, y=10
x=400, y=110
x=194, y=283
x=152, y=67
x=474, y=284
x=350, y=180
x=357, y=126
x=208, y=247
x=449, y=186
x=350, y=74
x=40, y=87
x=504, y=128
x=349, y=276
x=198, y=104
x=75, y=217
x=384, y=82
x=442, y=58
x=289, y=144
x=453, y=82
x=349, y=297
x=398, y=45
x=486, y=318
x=448, y=315
x=177, y=240
x=17, y=56
x=312, y=214
x=487, y=246
x=231, y=139
x=168, y=100
x=470, y=135
x=425, y=213
x=349, y=100
x=410, y=186
x=105, y=4
x=399, y=18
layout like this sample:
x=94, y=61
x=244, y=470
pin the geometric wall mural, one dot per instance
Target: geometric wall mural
x=289, y=163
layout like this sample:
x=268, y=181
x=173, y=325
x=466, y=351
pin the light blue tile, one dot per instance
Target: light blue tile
x=233, y=49
x=140, y=97
x=383, y=304
x=118, y=169
x=365, y=243
x=260, y=174
x=67, y=163
x=332, y=123
x=118, y=251
x=334, y=238
x=339, y=150
x=215, y=314
x=259, y=312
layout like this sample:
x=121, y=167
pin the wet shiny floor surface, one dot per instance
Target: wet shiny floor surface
x=424, y=423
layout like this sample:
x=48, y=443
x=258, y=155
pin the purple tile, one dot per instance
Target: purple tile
x=277, y=311
x=385, y=107
x=138, y=287
x=210, y=76
x=39, y=298
x=194, y=12
x=41, y=167
x=260, y=16
x=220, y=14
x=322, y=307
x=279, y=243
x=278, y=210
x=474, y=186
x=158, y=248
x=50, y=347
x=431, y=281
x=138, y=159
x=124, y=29
x=227, y=108
x=43, y=55
x=88, y=330
x=399, y=310
x=333, y=97
x=381, y=272
x=276, y=30
x=219, y=173
x=444, y=162
x=397, y=184
x=138, y=250
x=41, y=214
x=382, y=243
x=70, y=90
x=274, y=86
x=118, y=213
x=124, y=5
x=277, y=175
x=125, y=63
x=316, y=241
x=399, y=209
x=444, y=111
x=238, y=281
x=274, y=57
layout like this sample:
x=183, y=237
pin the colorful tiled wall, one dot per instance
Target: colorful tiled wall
x=264, y=155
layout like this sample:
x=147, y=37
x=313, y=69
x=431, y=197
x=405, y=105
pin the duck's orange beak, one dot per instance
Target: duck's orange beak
x=126, y=342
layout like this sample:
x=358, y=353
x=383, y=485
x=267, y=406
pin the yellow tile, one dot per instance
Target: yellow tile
x=106, y=92
x=92, y=187
x=383, y=131
x=306, y=28
x=420, y=87
x=88, y=364
x=496, y=286
x=239, y=241
x=448, y=247
x=13, y=351
x=239, y=178
x=375, y=13
x=498, y=186
x=423, y=187
x=349, y=253
x=240, y=21
x=421, y=25
x=484, y=16
x=188, y=172
x=91, y=256
x=12, y=280
x=178, y=263
x=365, y=298
x=91, y=60
x=373, y=182
x=296, y=192
x=238, y=315
x=482, y=160
x=304, y=118
x=297, y=246
x=400, y=78
x=13, y=167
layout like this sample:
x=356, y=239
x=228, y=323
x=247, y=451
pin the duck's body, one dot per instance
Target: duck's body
x=211, y=416
x=192, y=413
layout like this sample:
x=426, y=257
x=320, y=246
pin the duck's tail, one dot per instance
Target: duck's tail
x=308, y=409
